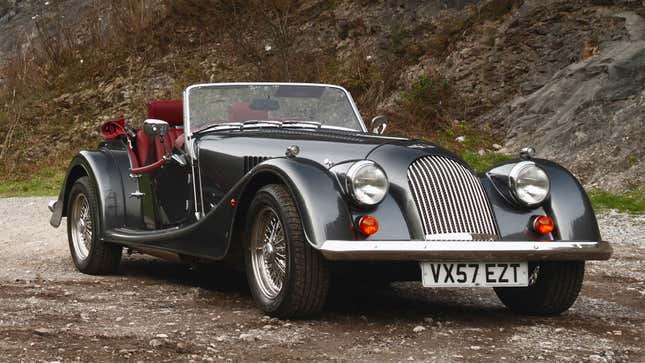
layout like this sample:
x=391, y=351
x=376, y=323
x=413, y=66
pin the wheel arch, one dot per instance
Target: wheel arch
x=105, y=176
x=76, y=172
x=323, y=211
x=244, y=200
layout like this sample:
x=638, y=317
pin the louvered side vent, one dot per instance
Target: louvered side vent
x=251, y=161
x=449, y=198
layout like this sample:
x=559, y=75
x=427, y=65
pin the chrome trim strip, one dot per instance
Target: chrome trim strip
x=480, y=251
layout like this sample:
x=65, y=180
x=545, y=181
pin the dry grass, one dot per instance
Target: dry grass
x=188, y=41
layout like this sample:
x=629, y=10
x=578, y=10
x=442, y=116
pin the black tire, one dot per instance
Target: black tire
x=554, y=291
x=306, y=276
x=100, y=258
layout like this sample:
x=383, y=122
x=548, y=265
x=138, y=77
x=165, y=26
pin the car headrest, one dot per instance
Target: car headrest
x=241, y=111
x=171, y=111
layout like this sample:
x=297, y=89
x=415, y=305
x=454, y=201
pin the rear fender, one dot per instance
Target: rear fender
x=105, y=168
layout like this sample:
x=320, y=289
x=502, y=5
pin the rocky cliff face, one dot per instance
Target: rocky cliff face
x=591, y=114
x=19, y=19
x=565, y=76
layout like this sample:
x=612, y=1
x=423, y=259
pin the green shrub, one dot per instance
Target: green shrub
x=632, y=201
x=484, y=162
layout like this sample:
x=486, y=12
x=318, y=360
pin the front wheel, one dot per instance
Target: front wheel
x=90, y=254
x=553, y=288
x=288, y=278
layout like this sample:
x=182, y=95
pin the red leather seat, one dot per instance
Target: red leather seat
x=171, y=111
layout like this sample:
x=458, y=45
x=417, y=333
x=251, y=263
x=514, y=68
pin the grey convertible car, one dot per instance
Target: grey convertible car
x=287, y=181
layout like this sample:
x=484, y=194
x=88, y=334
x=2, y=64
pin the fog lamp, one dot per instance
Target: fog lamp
x=543, y=224
x=368, y=225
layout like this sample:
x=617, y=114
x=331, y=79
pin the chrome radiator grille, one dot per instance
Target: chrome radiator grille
x=449, y=198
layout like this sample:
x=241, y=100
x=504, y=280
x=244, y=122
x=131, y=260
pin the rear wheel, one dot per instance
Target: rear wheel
x=553, y=288
x=89, y=253
x=287, y=277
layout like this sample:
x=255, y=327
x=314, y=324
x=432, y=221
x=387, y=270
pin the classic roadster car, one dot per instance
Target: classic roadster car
x=286, y=180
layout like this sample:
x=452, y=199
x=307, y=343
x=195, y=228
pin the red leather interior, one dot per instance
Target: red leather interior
x=113, y=129
x=241, y=111
x=170, y=111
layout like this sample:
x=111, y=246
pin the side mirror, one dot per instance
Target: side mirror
x=153, y=127
x=379, y=124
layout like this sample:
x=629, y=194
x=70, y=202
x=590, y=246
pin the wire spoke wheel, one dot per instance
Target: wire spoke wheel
x=269, y=252
x=288, y=278
x=81, y=226
x=90, y=254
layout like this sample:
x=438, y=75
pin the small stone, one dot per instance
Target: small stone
x=162, y=336
x=460, y=138
x=120, y=318
x=267, y=327
x=617, y=332
x=475, y=347
x=155, y=343
x=558, y=330
x=418, y=329
x=44, y=331
x=247, y=337
x=497, y=146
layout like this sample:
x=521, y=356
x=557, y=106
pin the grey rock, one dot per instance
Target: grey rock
x=155, y=343
x=589, y=117
x=44, y=331
x=419, y=329
x=247, y=337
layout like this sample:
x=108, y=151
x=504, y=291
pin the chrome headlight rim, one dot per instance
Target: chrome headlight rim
x=350, y=184
x=513, y=183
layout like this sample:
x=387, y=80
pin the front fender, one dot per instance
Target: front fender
x=567, y=204
x=319, y=198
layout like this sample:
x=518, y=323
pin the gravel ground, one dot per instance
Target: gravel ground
x=160, y=311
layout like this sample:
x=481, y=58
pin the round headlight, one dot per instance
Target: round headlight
x=367, y=182
x=529, y=183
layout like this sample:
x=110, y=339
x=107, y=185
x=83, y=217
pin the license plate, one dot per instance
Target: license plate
x=474, y=274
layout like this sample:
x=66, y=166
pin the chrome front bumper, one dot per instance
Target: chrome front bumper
x=479, y=251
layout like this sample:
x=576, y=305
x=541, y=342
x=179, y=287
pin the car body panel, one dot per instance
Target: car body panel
x=199, y=209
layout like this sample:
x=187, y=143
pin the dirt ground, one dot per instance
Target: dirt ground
x=160, y=311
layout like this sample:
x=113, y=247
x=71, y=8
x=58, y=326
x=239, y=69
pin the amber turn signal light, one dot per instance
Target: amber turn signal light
x=368, y=225
x=543, y=224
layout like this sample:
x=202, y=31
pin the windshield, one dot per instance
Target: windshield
x=329, y=106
